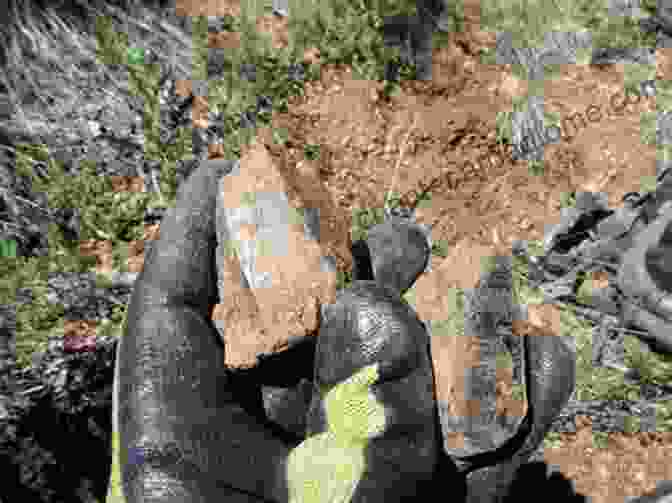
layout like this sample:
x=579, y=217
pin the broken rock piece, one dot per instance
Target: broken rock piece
x=462, y=299
x=277, y=257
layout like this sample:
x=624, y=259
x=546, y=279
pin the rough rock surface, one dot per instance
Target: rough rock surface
x=465, y=365
x=286, y=257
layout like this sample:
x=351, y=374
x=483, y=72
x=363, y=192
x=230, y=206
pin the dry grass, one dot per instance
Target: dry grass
x=56, y=60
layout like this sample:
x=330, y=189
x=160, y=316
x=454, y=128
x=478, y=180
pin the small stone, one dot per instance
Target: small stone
x=248, y=72
x=281, y=8
x=648, y=88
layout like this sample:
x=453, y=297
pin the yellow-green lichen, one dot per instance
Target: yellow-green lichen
x=326, y=467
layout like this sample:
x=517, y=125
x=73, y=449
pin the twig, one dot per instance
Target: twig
x=10, y=224
x=32, y=390
x=402, y=151
x=157, y=186
x=34, y=205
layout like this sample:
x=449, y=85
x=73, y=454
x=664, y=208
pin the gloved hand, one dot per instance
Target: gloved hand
x=372, y=421
x=190, y=430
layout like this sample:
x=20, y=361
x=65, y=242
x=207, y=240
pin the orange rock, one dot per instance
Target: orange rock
x=261, y=319
x=461, y=270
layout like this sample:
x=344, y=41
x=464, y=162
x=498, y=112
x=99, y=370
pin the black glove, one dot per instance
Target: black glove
x=190, y=430
x=193, y=431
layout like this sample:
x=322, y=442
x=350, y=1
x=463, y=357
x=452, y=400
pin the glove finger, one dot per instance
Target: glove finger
x=184, y=432
x=182, y=418
x=181, y=262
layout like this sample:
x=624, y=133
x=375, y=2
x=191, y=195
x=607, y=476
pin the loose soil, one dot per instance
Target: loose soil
x=478, y=193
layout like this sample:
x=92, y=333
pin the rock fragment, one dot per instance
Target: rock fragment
x=280, y=244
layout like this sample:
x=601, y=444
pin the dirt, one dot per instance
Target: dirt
x=631, y=464
x=442, y=134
